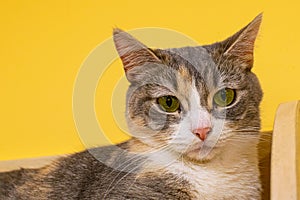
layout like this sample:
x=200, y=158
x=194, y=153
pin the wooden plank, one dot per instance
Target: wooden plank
x=284, y=161
x=31, y=163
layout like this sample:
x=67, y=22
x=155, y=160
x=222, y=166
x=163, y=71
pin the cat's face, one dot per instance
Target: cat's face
x=193, y=100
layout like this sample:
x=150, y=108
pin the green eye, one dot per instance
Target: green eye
x=224, y=97
x=168, y=103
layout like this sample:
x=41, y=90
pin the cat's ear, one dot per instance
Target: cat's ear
x=238, y=48
x=132, y=52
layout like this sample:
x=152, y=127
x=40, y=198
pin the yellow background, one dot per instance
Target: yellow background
x=43, y=44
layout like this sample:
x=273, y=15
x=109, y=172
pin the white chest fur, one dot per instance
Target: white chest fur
x=221, y=178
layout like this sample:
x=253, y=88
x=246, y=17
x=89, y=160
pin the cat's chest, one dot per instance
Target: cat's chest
x=212, y=182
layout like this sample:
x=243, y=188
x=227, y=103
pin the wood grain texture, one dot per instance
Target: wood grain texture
x=285, y=153
x=31, y=163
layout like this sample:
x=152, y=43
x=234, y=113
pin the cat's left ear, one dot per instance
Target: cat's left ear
x=238, y=49
x=132, y=52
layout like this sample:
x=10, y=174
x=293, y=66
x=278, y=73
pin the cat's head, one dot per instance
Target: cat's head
x=192, y=100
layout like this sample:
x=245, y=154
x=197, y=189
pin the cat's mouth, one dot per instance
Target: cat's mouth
x=200, y=152
x=195, y=148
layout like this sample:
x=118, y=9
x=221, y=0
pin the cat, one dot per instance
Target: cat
x=194, y=116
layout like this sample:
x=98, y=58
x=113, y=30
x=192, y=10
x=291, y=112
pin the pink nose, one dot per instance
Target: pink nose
x=202, y=133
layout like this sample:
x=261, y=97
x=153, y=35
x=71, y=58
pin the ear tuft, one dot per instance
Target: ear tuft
x=132, y=52
x=238, y=48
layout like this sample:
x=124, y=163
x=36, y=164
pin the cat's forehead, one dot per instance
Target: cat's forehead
x=198, y=64
x=198, y=57
x=194, y=64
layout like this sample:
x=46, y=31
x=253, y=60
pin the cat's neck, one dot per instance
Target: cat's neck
x=234, y=155
x=229, y=172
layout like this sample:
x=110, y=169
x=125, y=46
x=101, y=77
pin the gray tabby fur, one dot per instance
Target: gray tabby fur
x=229, y=171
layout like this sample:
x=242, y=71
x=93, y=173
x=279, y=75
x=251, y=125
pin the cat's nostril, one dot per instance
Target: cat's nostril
x=202, y=133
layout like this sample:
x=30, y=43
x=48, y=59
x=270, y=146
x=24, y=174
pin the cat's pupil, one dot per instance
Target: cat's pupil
x=223, y=95
x=169, y=101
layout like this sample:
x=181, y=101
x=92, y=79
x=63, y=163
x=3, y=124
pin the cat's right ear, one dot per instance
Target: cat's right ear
x=239, y=48
x=132, y=52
